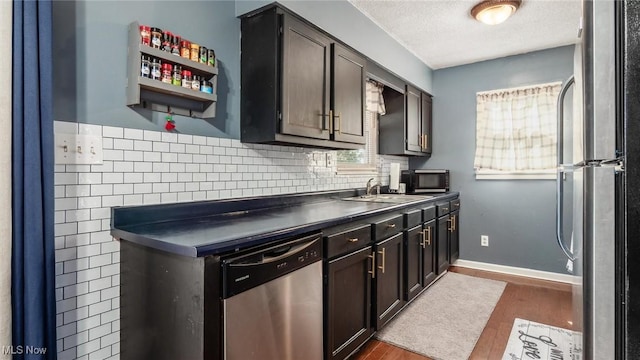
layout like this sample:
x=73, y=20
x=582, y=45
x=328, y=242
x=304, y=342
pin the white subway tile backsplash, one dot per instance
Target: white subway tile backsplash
x=131, y=155
x=122, y=144
x=130, y=200
x=89, y=178
x=112, y=155
x=100, y=308
x=123, y=189
x=135, y=134
x=141, y=145
x=142, y=188
x=168, y=197
x=113, y=132
x=101, y=330
x=106, y=166
x=152, y=156
x=150, y=167
x=107, y=143
x=88, y=299
x=75, y=340
x=77, y=240
x=160, y=187
x=152, y=135
x=102, y=189
x=88, y=347
x=103, y=353
x=89, y=202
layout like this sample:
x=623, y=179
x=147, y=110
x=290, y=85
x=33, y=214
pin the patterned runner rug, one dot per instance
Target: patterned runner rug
x=532, y=340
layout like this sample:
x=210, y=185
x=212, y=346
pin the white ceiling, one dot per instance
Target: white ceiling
x=442, y=33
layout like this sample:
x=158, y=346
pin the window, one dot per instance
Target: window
x=365, y=160
x=516, y=133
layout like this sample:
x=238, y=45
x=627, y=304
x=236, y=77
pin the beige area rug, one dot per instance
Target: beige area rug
x=532, y=340
x=446, y=320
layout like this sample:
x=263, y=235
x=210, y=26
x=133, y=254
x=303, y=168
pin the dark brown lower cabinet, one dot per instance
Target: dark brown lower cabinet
x=428, y=253
x=348, y=303
x=454, y=236
x=388, y=279
x=442, y=245
x=420, y=268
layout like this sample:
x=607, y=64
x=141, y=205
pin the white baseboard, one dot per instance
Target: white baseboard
x=511, y=270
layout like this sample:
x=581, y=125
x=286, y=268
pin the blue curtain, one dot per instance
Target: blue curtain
x=33, y=255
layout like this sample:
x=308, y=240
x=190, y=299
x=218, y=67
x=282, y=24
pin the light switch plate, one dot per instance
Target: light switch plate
x=78, y=149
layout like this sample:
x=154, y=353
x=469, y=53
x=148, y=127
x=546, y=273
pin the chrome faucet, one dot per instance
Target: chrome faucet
x=371, y=186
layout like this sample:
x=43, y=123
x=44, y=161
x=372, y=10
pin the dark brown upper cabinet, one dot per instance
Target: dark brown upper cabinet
x=426, y=126
x=299, y=86
x=406, y=128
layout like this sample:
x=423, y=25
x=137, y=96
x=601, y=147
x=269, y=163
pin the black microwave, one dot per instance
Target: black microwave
x=425, y=181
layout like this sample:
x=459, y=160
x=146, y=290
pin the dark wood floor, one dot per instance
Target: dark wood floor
x=541, y=301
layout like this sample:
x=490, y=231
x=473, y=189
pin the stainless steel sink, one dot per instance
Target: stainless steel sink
x=389, y=198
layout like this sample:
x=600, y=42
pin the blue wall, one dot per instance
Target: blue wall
x=518, y=215
x=90, y=52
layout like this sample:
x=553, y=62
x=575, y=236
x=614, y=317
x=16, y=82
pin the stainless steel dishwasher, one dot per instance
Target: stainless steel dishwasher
x=272, y=303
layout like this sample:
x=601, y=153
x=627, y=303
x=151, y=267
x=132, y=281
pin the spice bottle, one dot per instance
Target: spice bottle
x=186, y=79
x=211, y=58
x=195, y=83
x=156, y=73
x=176, y=79
x=145, y=35
x=166, y=41
x=145, y=66
x=166, y=73
x=156, y=38
x=185, y=49
x=206, y=87
x=195, y=52
x=203, y=54
x=175, y=45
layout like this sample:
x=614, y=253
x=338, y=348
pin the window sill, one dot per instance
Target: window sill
x=524, y=175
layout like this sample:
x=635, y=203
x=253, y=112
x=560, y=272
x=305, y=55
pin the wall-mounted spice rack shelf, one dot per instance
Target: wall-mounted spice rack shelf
x=160, y=96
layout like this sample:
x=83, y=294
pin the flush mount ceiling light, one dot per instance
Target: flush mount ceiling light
x=492, y=12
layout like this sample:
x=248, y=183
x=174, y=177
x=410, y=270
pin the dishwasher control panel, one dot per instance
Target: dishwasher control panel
x=253, y=268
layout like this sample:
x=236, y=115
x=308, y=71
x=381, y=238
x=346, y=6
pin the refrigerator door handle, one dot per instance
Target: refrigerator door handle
x=561, y=170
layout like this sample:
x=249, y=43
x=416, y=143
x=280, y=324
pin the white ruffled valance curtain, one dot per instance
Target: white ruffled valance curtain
x=5, y=176
x=374, y=99
x=516, y=129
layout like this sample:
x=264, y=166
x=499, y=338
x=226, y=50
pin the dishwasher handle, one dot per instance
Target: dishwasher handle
x=255, y=267
x=277, y=254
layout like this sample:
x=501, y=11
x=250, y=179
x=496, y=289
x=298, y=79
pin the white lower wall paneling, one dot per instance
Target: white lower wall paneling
x=151, y=167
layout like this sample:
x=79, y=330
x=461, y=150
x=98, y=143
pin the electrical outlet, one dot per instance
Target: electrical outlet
x=329, y=159
x=484, y=240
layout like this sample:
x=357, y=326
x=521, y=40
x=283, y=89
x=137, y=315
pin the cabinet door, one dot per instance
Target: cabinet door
x=389, y=271
x=425, y=123
x=305, y=80
x=428, y=253
x=442, y=258
x=413, y=262
x=413, y=114
x=348, y=96
x=348, y=303
x=454, y=236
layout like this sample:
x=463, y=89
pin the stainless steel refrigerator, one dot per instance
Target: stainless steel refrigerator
x=597, y=180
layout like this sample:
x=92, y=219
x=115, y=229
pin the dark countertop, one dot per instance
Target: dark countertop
x=213, y=227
